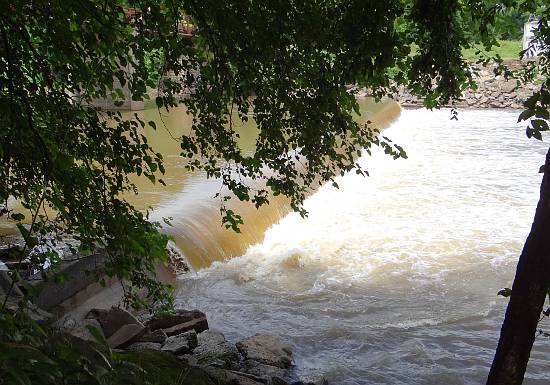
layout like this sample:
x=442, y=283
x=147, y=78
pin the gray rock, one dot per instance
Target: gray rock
x=262, y=370
x=188, y=359
x=113, y=319
x=33, y=312
x=79, y=328
x=52, y=294
x=320, y=381
x=231, y=377
x=6, y=284
x=141, y=346
x=266, y=349
x=181, y=344
x=39, y=315
x=280, y=381
x=213, y=349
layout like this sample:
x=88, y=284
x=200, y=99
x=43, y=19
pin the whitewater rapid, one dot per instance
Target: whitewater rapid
x=392, y=279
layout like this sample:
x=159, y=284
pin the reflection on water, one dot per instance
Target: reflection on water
x=392, y=279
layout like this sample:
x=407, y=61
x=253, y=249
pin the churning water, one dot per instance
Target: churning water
x=392, y=279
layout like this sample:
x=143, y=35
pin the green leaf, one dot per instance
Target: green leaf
x=97, y=335
x=159, y=102
x=17, y=216
x=539, y=125
x=506, y=292
x=526, y=114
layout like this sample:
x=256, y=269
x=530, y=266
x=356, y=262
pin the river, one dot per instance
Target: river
x=392, y=278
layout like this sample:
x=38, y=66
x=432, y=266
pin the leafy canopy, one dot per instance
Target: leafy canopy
x=284, y=64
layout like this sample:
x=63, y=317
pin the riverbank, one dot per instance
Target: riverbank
x=493, y=91
x=166, y=345
x=183, y=342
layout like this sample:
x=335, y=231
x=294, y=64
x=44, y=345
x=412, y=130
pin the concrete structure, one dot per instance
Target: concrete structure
x=532, y=50
x=128, y=104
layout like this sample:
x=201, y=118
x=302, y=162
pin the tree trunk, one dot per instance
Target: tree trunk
x=528, y=295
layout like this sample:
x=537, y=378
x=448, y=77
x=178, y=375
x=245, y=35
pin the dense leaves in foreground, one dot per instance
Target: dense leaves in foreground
x=283, y=64
x=286, y=65
x=31, y=354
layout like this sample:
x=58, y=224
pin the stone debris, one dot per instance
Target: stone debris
x=492, y=91
x=262, y=359
x=266, y=349
x=262, y=370
x=143, y=346
x=213, y=349
x=113, y=319
x=180, y=322
x=80, y=328
x=181, y=343
x=125, y=335
x=157, y=336
x=178, y=262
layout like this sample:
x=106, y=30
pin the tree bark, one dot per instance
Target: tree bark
x=528, y=295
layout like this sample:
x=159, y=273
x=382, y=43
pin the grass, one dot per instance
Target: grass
x=507, y=49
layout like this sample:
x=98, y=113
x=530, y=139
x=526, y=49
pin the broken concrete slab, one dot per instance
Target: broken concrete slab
x=125, y=335
x=113, y=319
x=197, y=324
x=178, y=322
x=77, y=278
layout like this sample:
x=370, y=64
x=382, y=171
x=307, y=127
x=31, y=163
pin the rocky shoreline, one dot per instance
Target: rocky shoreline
x=167, y=344
x=493, y=91
x=183, y=340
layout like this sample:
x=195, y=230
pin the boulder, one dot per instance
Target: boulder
x=280, y=381
x=198, y=325
x=266, y=349
x=32, y=311
x=125, y=335
x=230, y=377
x=113, y=319
x=6, y=284
x=80, y=328
x=213, y=349
x=181, y=343
x=77, y=280
x=320, y=381
x=180, y=322
x=262, y=370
